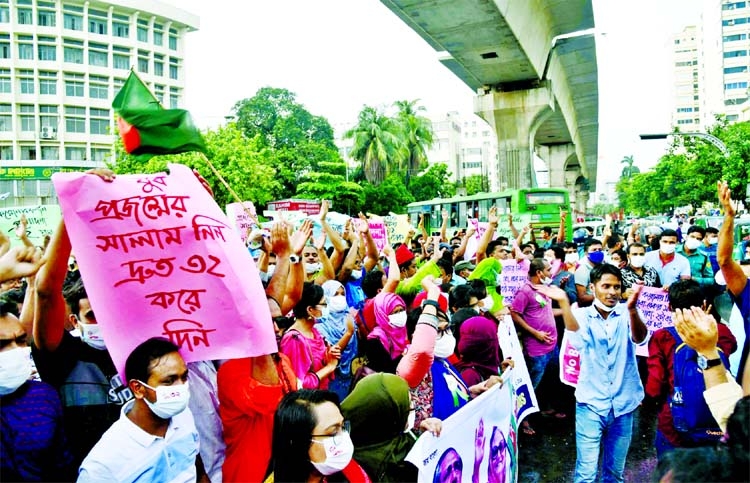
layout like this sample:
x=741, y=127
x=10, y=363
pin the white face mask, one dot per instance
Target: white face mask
x=713, y=241
x=15, y=369
x=356, y=274
x=547, y=281
x=666, y=248
x=170, y=400
x=571, y=258
x=599, y=304
x=486, y=303
x=692, y=243
x=313, y=267
x=338, y=455
x=92, y=335
x=398, y=320
x=637, y=260
x=270, y=270
x=445, y=345
x=337, y=304
x=549, y=259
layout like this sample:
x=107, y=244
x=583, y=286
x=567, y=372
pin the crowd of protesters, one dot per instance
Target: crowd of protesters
x=372, y=347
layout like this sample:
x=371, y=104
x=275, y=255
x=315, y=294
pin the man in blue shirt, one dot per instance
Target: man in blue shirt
x=609, y=387
x=669, y=265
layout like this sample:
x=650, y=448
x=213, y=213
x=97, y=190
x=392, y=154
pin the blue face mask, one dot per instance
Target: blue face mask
x=596, y=257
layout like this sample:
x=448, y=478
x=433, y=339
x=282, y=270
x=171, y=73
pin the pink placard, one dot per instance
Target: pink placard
x=653, y=306
x=570, y=362
x=379, y=233
x=159, y=258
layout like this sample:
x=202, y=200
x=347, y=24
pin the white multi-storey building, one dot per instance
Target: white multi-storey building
x=61, y=63
x=686, y=114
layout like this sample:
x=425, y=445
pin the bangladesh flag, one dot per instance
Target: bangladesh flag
x=147, y=129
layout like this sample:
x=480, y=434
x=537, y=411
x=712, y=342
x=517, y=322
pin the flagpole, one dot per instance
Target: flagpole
x=229, y=188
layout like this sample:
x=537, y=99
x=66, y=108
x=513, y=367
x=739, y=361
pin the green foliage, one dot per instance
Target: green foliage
x=330, y=184
x=629, y=170
x=416, y=135
x=243, y=163
x=389, y=196
x=377, y=144
x=433, y=183
x=476, y=183
x=688, y=173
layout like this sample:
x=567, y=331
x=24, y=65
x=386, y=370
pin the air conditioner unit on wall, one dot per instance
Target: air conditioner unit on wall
x=48, y=133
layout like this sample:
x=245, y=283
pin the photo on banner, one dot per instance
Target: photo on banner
x=478, y=443
x=159, y=258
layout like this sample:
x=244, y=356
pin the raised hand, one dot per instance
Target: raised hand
x=280, y=244
x=22, y=227
x=20, y=262
x=633, y=299
x=320, y=242
x=323, y=210
x=300, y=236
x=725, y=198
x=106, y=174
x=364, y=226
x=492, y=217
x=697, y=328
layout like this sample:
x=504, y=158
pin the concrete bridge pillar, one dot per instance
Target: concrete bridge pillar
x=512, y=115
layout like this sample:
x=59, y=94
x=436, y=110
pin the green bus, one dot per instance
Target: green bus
x=538, y=207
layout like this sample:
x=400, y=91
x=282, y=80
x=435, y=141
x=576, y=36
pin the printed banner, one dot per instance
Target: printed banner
x=512, y=279
x=477, y=443
x=41, y=221
x=570, y=362
x=160, y=258
x=243, y=223
x=653, y=307
x=525, y=399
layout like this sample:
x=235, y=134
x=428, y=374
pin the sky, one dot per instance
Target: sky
x=339, y=55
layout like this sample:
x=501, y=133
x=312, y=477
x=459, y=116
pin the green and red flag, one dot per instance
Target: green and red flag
x=147, y=129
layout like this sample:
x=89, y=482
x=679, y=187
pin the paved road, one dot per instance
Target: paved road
x=550, y=455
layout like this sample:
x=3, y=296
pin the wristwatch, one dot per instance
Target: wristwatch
x=704, y=363
x=293, y=258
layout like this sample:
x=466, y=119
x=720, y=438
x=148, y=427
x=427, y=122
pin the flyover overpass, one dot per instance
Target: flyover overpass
x=533, y=66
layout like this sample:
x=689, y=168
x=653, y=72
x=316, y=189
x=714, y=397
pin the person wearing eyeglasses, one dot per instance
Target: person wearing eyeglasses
x=311, y=440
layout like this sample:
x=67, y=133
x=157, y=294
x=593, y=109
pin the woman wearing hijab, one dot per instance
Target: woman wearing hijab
x=381, y=416
x=386, y=343
x=333, y=327
x=479, y=350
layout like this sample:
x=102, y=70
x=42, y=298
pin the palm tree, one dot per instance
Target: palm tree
x=629, y=170
x=417, y=135
x=377, y=144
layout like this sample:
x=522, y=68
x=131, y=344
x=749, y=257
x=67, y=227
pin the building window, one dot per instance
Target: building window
x=174, y=99
x=98, y=87
x=25, y=16
x=172, y=39
x=48, y=87
x=72, y=22
x=158, y=34
x=159, y=92
x=50, y=153
x=97, y=54
x=26, y=51
x=27, y=85
x=174, y=68
x=159, y=68
x=735, y=85
x=98, y=154
x=75, y=153
x=48, y=117
x=74, y=55
x=735, y=70
x=143, y=61
x=28, y=123
x=734, y=38
x=120, y=61
x=684, y=109
x=6, y=153
x=4, y=14
x=6, y=121
x=75, y=119
x=5, y=50
x=733, y=21
x=142, y=33
x=735, y=53
x=733, y=5
x=46, y=18
x=5, y=83
x=120, y=29
x=47, y=52
x=97, y=22
x=99, y=122
x=28, y=153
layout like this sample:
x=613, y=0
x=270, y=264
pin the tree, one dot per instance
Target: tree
x=377, y=144
x=389, y=196
x=629, y=170
x=330, y=184
x=476, y=183
x=433, y=183
x=243, y=163
x=416, y=135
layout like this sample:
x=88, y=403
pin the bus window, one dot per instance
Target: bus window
x=503, y=207
x=461, y=222
x=484, y=208
x=453, y=221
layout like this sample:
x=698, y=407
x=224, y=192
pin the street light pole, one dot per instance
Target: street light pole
x=701, y=135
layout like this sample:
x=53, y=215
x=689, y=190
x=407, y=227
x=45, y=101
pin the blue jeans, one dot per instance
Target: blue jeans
x=610, y=433
x=537, y=365
x=662, y=444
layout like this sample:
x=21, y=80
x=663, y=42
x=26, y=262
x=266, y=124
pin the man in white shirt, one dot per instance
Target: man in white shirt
x=155, y=438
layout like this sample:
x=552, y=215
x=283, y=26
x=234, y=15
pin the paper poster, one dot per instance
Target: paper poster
x=570, y=362
x=513, y=277
x=478, y=443
x=241, y=220
x=41, y=221
x=160, y=258
x=525, y=399
x=653, y=307
x=398, y=227
x=379, y=233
